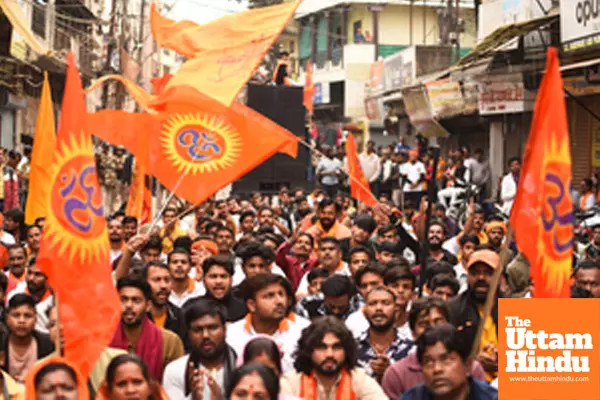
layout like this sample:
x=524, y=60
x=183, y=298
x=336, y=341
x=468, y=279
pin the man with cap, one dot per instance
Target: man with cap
x=495, y=230
x=361, y=232
x=466, y=309
x=280, y=73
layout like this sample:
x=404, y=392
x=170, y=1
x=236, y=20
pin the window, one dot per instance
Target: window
x=292, y=46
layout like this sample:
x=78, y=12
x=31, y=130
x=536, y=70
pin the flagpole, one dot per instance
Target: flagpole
x=58, y=341
x=491, y=297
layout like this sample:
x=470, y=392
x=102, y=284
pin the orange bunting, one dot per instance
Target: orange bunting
x=359, y=186
x=74, y=252
x=196, y=145
x=542, y=214
x=309, y=88
x=222, y=55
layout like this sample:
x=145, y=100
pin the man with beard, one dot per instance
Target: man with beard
x=206, y=326
x=326, y=365
x=330, y=258
x=295, y=257
x=225, y=239
x=495, y=230
x=115, y=237
x=162, y=312
x=473, y=225
x=183, y=286
x=36, y=285
x=466, y=309
x=130, y=227
x=266, y=217
x=380, y=345
x=17, y=266
x=137, y=334
x=34, y=236
x=359, y=257
x=267, y=303
x=302, y=210
x=436, y=237
x=217, y=278
x=247, y=223
x=327, y=224
x=446, y=367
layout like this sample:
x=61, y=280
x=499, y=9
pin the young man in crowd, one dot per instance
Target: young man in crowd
x=359, y=257
x=361, y=231
x=115, y=237
x=327, y=224
x=371, y=166
x=446, y=366
x=330, y=258
x=401, y=280
x=136, y=333
x=295, y=258
x=444, y=286
x=413, y=175
x=436, y=238
x=267, y=303
x=247, y=223
x=36, y=285
x=130, y=227
x=316, y=277
x=326, y=362
x=337, y=298
x=171, y=229
x=34, y=236
x=23, y=346
x=162, y=312
x=587, y=276
x=387, y=233
x=17, y=266
x=380, y=345
x=468, y=244
x=205, y=323
x=366, y=279
x=266, y=217
x=184, y=288
x=466, y=309
x=218, y=278
x=225, y=239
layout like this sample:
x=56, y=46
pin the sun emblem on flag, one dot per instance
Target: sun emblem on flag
x=196, y=143
x=556, y=223
x=75, y=221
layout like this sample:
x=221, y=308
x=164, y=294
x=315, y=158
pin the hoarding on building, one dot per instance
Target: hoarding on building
x=579, y=24
x=419, y=112
x=322, y=93
x=504, y=94
x=377, y=77
x=399, y=69
x=445, y=98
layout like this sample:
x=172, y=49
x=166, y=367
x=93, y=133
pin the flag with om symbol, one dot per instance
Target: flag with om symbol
x=542, y=214
x=74, y=252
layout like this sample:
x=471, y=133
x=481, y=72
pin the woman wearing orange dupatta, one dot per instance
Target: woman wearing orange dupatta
x=54, y=375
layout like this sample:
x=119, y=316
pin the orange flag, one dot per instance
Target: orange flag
x=196, y=145
x=542, y=214
x=139, y=202
x=222, y=55
x=41, y=158
x=359, y=186
x=74, y=252
x=309, y=88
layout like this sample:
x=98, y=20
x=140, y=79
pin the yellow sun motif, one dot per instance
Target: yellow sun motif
x=554, y=252
x=197, y=143
x=76, y=227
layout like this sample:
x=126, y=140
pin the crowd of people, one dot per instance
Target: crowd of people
x=294, y=295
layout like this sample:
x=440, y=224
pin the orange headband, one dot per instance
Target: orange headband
x=495, y=225
x=208, y=245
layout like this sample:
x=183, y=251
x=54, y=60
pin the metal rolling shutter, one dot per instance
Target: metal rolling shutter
x=580, y=128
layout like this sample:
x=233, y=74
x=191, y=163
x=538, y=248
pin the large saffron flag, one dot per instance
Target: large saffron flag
x=222, y=55
x=196, y=145
x=542, y=214
x=74, y=251
x=42, y=153
x=309, y=88
x=359, y=186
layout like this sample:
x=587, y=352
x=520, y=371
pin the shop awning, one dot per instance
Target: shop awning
x=13, y=12
x=505, y=34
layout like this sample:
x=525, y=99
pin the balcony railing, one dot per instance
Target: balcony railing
x=337, y=54
x=321, y=59
x=38, y=20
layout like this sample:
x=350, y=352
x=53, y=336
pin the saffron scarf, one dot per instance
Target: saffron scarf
x=344, y=391
x=149, y=346
x=331, y=232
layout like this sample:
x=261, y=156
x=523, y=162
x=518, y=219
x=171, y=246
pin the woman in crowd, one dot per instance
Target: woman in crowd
x=55, y=378
x=127, y=377
x=253, y=382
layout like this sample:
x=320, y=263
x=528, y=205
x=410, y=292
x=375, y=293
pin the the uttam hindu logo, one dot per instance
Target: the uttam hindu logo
x=524, y=344
x=548, y=349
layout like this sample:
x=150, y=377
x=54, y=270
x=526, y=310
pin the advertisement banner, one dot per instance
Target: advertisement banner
x=504, y=95
x=377, y=77
x=579, y=24
x=321, y=95
x=400, y=69
x=445, y=98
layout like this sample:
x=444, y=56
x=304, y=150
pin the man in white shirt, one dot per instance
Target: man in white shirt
x=468, y=244
x=413, y=175
x=183, y=286
x=509, y=185
x=370, y=165
x=267, y=302
x=328, y=172
x=206, y=330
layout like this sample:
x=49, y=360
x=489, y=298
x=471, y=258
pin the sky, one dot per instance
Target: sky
x=203, y=11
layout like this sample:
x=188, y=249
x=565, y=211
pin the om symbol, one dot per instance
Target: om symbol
x=201, y=146
x=564, y=220
x=73, y=205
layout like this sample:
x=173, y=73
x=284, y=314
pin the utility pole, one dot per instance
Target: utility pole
x=124, y=25
x=109, y=49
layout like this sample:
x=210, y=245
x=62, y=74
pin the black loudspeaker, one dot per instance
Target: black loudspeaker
x=282, y=105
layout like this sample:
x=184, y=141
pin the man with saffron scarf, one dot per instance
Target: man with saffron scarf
x=326, y=366
x=137, y=334
x=327, y=224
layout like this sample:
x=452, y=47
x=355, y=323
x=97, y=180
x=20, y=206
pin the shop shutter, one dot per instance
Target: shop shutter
x=580, y=127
